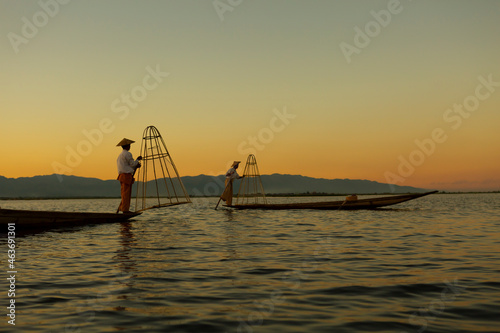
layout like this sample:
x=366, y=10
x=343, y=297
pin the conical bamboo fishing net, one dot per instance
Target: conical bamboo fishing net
x=251, y=190
x=158, y=182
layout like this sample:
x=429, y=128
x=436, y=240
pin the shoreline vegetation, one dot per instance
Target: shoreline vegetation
x=273, y=195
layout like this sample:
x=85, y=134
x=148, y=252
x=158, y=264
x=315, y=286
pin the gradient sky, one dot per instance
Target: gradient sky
x=294, y=82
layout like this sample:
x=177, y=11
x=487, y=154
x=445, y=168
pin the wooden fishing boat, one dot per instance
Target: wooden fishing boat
x=251, y=195
x=370, y=203
x=44, y=219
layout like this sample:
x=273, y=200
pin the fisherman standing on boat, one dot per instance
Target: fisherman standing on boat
x=126, y=170
x=231, y=175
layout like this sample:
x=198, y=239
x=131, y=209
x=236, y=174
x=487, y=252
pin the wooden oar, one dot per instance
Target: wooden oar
x=118, y=209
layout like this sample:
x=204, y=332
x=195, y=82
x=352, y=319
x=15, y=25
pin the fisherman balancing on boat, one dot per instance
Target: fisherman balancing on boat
x=231, y=175
x=126, y=170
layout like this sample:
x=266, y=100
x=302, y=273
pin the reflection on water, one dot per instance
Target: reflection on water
x=426, y=265
x=124, y=261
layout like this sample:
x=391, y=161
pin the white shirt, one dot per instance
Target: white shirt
x=232, y=174
x=126, y=163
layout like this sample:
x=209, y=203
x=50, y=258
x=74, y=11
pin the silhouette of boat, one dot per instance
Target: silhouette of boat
x=35, y=218
x=369, y=203
x=251, y=195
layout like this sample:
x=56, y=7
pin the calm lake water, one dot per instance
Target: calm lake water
x=428, y=265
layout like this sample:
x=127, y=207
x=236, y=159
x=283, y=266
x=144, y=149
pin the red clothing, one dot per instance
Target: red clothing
x=126, y=181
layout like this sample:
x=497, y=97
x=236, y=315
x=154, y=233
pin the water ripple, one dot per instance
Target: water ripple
x=429, y=265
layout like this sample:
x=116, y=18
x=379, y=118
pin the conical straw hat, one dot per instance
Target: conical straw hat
x=124, y=142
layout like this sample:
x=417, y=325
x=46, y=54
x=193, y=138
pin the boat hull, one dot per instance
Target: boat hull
x=370, y=203
x=32, y=218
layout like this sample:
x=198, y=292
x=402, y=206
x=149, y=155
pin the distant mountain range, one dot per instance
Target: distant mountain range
x=62, y=186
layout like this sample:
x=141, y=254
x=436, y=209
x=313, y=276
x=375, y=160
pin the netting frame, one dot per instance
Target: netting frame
x=157, y=159
x=251, y=190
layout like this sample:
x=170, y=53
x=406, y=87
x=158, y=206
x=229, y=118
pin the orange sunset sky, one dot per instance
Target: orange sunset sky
x=406, y=92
